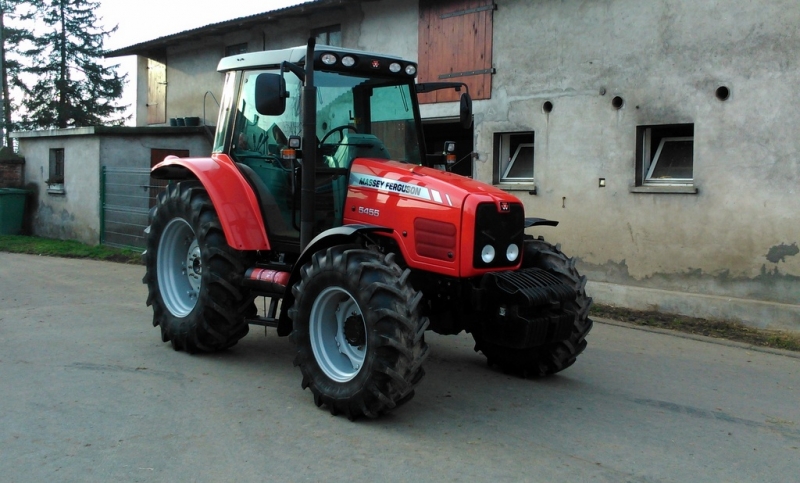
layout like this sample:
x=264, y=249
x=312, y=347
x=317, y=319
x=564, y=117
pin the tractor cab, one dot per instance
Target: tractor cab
x=364, y=106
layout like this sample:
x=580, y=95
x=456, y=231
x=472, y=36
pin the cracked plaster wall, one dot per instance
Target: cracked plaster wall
x=75, y=213
x=665, y=58
x=738, y=236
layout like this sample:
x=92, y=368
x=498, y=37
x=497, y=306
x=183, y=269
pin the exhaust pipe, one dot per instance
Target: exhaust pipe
x=309, y=174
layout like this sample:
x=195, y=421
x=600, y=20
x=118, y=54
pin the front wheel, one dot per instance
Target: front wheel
x=193, y=277
x=358, y=331
x=557, y=356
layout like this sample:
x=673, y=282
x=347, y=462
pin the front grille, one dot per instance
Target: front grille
x=498, y=229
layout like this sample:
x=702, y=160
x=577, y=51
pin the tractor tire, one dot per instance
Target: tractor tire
x=193, y=277
x=358, y=331
x=557, y=356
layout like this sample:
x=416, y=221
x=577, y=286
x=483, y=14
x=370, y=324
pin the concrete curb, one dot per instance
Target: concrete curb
x=700, y=338
x=750, y=312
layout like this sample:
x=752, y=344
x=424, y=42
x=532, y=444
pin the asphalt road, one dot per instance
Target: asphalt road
x=88, y=392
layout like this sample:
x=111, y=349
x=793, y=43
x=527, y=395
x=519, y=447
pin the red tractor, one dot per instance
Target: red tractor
x=318, y=197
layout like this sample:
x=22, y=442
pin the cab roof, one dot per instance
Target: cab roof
x=273, y=58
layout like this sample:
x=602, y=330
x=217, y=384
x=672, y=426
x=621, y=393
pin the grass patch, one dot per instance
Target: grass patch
x=711, y=328
x=67, y=249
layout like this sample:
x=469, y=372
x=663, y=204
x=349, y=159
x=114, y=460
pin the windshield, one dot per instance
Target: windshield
x=374, y=110
x=378, y=107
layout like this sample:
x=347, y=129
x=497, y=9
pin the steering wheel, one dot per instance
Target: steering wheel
x=339, y=129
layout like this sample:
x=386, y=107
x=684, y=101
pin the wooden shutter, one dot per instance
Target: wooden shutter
x=156, y=92
x=455, y=45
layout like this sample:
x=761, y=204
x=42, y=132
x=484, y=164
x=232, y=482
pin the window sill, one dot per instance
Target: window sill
x=510, y=187
x=684, y=190
x=55, y=189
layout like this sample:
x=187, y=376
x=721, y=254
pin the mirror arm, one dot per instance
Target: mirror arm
x=294, y=69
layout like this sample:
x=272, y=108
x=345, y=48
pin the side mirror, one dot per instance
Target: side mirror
x=465, y=111
x=270, y=94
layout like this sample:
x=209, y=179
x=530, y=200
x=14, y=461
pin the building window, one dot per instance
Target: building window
x=235, y=49
x=55, y=174
x=514, y=157
x=331, y=35
x=666, y=155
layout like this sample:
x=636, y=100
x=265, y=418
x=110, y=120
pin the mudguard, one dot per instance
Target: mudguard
x=529, y=222
x=231, y=194
x=328, y=238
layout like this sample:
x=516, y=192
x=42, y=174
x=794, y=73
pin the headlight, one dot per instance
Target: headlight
x=348, y=61
x=512, y=252
x=487, y=254
x=328, y=59
x=411, y=70
x=394, y=67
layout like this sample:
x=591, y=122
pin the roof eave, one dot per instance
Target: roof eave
x=150, y=47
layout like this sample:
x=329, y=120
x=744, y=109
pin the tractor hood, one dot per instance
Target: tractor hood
x=433, y=214
x=421, y=183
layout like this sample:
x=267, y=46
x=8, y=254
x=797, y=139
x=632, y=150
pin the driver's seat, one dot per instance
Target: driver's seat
x=354, y=146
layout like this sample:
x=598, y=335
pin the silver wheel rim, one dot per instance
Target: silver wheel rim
x=337, y=358
x=180, y=268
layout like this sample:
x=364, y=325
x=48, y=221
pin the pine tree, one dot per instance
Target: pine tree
x=12, y=36
x=73, y=88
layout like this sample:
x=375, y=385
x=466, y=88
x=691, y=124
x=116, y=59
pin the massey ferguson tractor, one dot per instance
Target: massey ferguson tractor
x=319, y=196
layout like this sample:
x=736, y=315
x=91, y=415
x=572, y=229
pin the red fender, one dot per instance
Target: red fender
x=233, y=198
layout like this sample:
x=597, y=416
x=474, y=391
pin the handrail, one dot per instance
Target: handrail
x=204, y=104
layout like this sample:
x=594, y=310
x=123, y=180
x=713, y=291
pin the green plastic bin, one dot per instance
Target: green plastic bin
x=12, y=210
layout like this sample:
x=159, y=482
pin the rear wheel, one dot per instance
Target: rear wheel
x=193, y=277
x=358, y=331
x=557, y=356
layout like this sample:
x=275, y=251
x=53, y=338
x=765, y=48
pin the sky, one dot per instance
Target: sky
x=142, y=20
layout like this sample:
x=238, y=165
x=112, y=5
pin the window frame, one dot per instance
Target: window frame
x=55, y=171
x=327, y=31
x=657, y=157
x=647, y=163
x=236, y=49
x=505, y=160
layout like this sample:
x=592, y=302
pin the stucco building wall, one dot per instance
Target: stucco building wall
x=726, y=248
x=737, y=237
x=74, y=212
